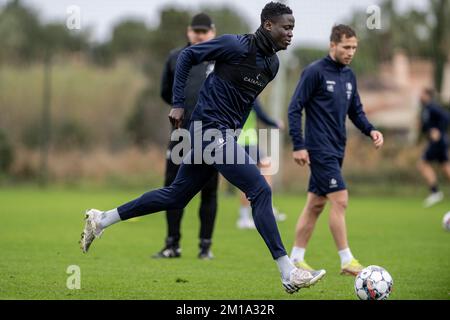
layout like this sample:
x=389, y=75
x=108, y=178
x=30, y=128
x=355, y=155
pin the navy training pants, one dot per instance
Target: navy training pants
x=192, y=177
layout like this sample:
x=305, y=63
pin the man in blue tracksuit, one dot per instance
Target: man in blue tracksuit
x=201, y=29
x=244, y=65
x=435, y=122
x=327, y=91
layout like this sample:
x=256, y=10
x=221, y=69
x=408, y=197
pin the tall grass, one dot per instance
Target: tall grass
x=98, y=98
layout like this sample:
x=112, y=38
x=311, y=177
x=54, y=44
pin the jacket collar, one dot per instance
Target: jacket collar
x=334, y=64
x=265, y=42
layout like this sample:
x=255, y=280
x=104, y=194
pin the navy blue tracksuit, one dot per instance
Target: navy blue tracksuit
x=328, y=92
x=243, y=68
x=434, y=116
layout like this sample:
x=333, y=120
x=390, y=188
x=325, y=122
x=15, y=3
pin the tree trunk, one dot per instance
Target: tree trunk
x=438, y=40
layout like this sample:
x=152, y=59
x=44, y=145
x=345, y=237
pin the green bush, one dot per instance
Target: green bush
x=71, y=134
x=63, y=135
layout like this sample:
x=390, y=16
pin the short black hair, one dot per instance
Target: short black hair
x=341, y=30
x=273, y=10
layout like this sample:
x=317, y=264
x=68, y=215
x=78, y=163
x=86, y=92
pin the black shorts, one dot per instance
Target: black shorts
x=326, y=176
x=436, y=152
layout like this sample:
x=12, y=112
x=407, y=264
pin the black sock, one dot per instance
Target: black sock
x=434, y=188
x=205, y=243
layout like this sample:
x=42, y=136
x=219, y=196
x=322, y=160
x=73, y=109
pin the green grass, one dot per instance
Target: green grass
x=39, y=231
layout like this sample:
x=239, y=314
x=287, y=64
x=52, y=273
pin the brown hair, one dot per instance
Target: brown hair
x=341, y=30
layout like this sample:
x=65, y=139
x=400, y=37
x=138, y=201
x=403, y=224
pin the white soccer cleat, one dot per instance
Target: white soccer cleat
x=246, y=223
x=433, y=198
x=91, y=229
x=300, y=278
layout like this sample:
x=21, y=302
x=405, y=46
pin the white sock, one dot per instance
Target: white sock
x=298, y=254
x=245, y=212
x=285, y=265
x=108, y=218
x=346, y=256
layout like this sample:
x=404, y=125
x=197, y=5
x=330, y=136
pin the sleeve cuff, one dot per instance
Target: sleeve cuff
x=369, y=130
x=299, y=147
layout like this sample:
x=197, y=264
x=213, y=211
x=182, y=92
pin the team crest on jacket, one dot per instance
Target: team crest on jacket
x=330, y=85
x=349, y=90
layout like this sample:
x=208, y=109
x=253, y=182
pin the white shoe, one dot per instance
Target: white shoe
x=433, y=198
x=91, y=229
x=300, y=278
x=278, y=215
x=246, y=223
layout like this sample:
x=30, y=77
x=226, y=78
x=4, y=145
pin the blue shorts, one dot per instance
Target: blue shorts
x=326, y=176
x=436, y=152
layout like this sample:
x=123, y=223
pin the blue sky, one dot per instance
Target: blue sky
x=314, y=18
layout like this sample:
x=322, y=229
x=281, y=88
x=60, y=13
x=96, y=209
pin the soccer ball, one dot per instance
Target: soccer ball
x=446, y=221
x=373, y=283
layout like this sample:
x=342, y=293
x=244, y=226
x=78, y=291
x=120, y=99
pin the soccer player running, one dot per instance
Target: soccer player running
x=200, y=29
x=244, y=65
x=435, y=121
x=327, y=91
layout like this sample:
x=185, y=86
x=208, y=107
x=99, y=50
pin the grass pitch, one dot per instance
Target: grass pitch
x=39, y=231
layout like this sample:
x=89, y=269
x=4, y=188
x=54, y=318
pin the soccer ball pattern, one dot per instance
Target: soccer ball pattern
x=373, y=283
x=446, y=221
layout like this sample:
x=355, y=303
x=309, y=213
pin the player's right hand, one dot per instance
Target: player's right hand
x=301, y=157
x=176, y=117
x=435, y=135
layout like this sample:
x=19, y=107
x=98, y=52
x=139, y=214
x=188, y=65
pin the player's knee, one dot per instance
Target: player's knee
x=176, y=200
x=263, y=190
x=420, y=164
x=317, y=207
x=209, y=195
x=174, y=204
x=209, y=200
x=340, y=204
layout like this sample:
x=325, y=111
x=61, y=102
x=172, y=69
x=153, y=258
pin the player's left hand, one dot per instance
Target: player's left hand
x=176, y=117
x=377, y=138
x=280, y=125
